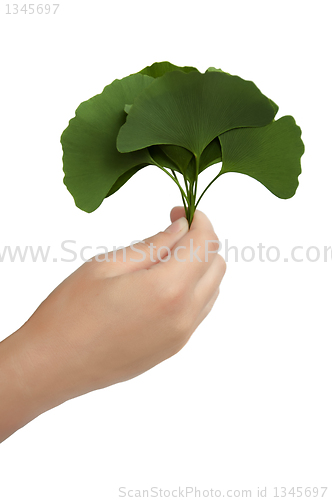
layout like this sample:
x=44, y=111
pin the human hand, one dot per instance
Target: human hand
x=111, y=321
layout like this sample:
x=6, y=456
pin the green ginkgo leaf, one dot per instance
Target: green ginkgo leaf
x=124, y=178
x=155, y=71
x=160, y=158
x=210, y=155
x=91, y=161
x=212, y=68
x=275, y=106
x=269, y=154
x=180, y=156
x=192, y=109
x=158, y=69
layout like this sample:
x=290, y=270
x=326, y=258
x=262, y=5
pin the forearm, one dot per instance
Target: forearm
x=14, y=411
x=26, y=388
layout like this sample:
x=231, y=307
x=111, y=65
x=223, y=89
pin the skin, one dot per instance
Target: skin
x=109, y=322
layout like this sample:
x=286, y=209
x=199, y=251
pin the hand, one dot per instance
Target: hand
x=111, y=321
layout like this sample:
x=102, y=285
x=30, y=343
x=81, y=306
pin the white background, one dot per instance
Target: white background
x=247, y=403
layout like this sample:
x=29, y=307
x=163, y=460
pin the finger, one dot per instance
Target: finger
x=207, y=308
x=210, y=281
x=193, y=254
x=176, y=213
x=147, y=252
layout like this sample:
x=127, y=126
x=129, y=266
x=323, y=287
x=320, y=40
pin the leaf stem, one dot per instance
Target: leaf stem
x=186, y=183
x=207, y=187
x=189, y=198
x=174, y=179
x=192, y=192
x=196, y=178
x=183, y=200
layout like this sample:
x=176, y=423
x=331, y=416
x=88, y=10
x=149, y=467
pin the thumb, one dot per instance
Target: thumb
x=144, y=254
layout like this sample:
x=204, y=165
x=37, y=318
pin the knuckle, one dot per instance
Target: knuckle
x=208, y=242
x=174, y=295
x=213, y=245
x=152, y=248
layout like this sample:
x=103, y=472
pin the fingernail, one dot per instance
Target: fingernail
x=177, y=225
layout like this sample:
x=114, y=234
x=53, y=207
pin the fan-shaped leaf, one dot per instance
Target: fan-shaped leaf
x=180, y=156
x=91, y=161
x=160, y=158
x=158, y=69
x=192, y=109
x=269, y=154
x=124, y=178
x=212, y=68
